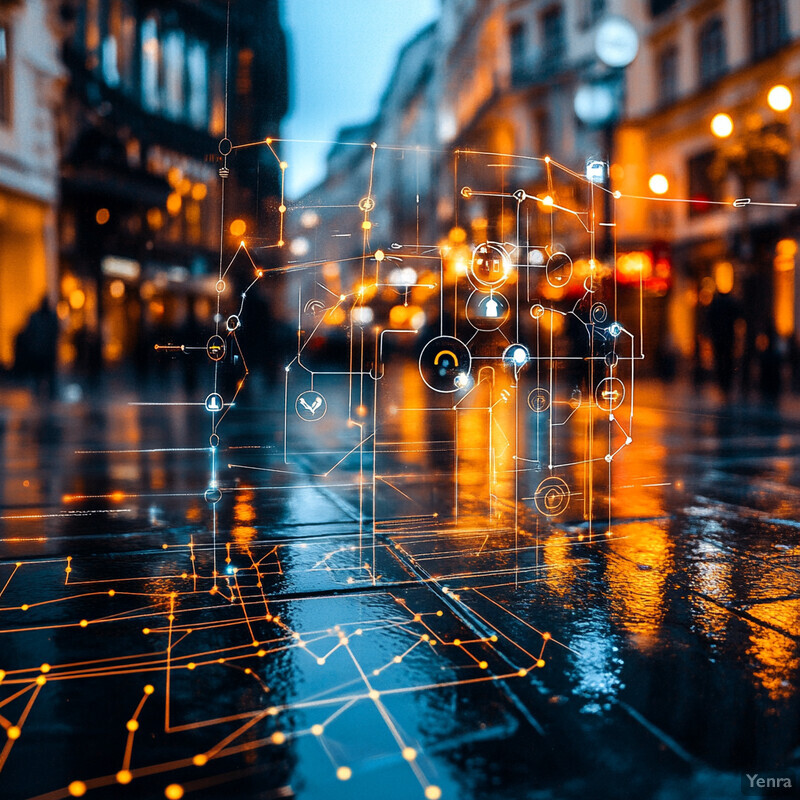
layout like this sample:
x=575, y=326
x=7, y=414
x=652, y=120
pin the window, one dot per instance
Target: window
x=151, y=58
x=116, y=52
x=553, y=41
x=767, y=27
x=516, y=46
x=704, y=184
x=711, y=44
x=590, y=12
x=668, y=81
x=174, y=96
x=660, y=6
x=5, y=75
x=197, y=64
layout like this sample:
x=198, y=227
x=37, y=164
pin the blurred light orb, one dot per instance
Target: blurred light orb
x=658, y=183
x=722, y=125
x=309, y=219
x=238, y=227
x=779, y=98
x=299, y=246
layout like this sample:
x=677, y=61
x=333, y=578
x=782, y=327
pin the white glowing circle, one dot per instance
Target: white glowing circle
x=722, y=125
x=363, y=315
x=299, y=246
x=658, y=183
x=780, y=98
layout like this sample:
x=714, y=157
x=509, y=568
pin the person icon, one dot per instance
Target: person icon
x=491, y=307
x=213, y=402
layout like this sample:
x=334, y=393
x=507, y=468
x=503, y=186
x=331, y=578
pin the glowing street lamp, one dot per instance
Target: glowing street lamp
x=722, y=125
x=779, y=98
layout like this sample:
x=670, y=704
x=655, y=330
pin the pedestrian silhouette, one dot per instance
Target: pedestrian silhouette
x=36, y=349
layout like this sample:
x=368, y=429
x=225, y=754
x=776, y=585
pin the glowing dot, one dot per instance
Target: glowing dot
x=261, y=653
x=45, y=668
x=722, y=125
x=173, y=792
x=191, y=665
x=779, y=98
x=41, y=680
x=124, y=776
x=278, y=737
x=317, y=730
x=483, y=665
x=321, y=661
x=13, y=732
x=284, y=165
x=374, y=694
x=539, y=662
x=658, y=183
x=493, y=638
x=148, y=689
x=2, y=675
x=409, y=753
x=433, y=793
x=281, y=243
x=111, y=592
x=379, y=255
x=132, y=725
x=201, y=759
x=84, y=623
x=102, y=216
x=344, y=773
x=439, y=613
x=145, y=631
x=547, y=200
x=457, y=642
x=25, y=607
x=522, y=673
x=77, y=788
x=272, y=711
x=174, y=203
x=238, y=227
x=617, y=194
x=366, y=224
x=547, y=159
x=269, y=140
x=397, y=659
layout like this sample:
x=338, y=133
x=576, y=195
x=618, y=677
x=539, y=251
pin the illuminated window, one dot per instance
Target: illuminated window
x=553, y=40
x=767, y=26
x=174, y=100
x=118, y=44
x=5, y=75
x=197, y=64
x=150, y=65
x=712, y=50
x=668, y=74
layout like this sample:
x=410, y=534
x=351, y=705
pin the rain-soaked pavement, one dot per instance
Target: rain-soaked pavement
x=468, y=660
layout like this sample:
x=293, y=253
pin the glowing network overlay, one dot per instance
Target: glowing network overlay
x=453, y=446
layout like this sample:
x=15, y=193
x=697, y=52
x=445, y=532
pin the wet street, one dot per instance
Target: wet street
x=277, y=643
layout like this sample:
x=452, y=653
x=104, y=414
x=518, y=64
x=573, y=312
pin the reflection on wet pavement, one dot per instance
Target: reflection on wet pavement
x=469, y=649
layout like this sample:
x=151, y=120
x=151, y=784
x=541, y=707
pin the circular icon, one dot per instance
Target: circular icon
x=537, y=311
x=552, y=496
x=444, y=364
x=220, y=286
x=310, y=406
x=232, y=323
x=609, y=394
x=539, y=400
x=612, y=359
x=558, y=269
x=599, y=313
x=215, y=347
x=616, y=42
x=366, y=204
x=487, y=312
x=213, y=495
x=516, y=355
x=615, y=329
x=490, y=264
x=214, y=402
x=213, y=440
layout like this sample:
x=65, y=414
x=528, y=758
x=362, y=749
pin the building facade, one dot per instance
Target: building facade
x=153, y=89
x=30, y=83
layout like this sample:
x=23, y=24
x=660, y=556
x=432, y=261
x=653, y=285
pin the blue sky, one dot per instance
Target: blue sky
x=341, y=56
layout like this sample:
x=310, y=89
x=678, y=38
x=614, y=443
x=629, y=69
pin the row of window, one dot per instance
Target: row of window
x=768, y=33
x=167, y=70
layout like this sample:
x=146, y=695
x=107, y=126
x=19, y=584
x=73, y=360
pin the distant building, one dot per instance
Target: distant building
x=30, y=81
x=147, y=107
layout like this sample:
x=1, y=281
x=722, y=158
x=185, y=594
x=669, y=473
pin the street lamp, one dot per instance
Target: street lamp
x=722, y=125
x=779, y=98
